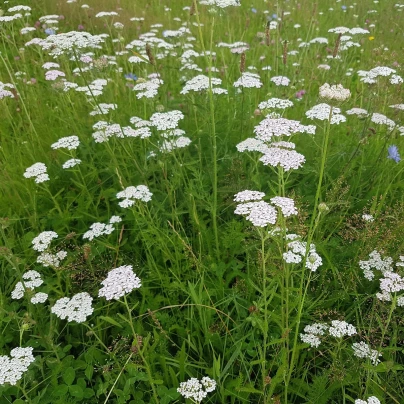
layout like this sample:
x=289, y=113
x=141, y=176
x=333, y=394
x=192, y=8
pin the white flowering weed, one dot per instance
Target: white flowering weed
x=119, y=282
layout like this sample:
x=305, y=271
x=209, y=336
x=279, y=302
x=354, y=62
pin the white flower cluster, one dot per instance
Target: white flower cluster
x=103, y=109
x=69, y=143
x=98, y=229
x=312, y=332
x=270, y=127
x=357, y=111
x=322, y=112
x=287, y=205
x=260, y=213
x=287, y=159
x=334, y=93
x=174, y=142
x=19, y=8
x=119, y=282
x=4, y=92
x=248, y=80
x=149, y=88
x=247, y=196
x=370, y=400
x=39, y=297
x=337, y=329
x=104, y=131
x=9, y=18
x=43, y=240
x=381, y=119
x=277, y=153
x=102, y=14
x=131, y=194
x=340, y=329
x=78, y=308
x=65, y=42
x=52, y=75
x=280, y=81
x=370, y=77
x=13, y=367
x=31, y=280
x=93, y=89
x=368, y=218
x=71, y=163
x=197, y=390
x=39, y=171
x=51, y=260
x=376, y=262
x=363, y=350
x=201, y=83
x=297, y=251
x=166, y=120
x=50, y=65
x=275, y=103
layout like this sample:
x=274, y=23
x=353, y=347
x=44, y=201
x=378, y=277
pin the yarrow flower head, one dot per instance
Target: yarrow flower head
x=13, y=367
x=197, y=390
x=43, y=240
x=119, y=282
x=97, y=230
x=248, y=80
x=69, y=143
x=322, y=112
x=37, y=170
x=370, y=400
x=166, y=120
x=341, y=329
x=78, y=308
x=131, y=194
x=363, y=350
x=31, y=280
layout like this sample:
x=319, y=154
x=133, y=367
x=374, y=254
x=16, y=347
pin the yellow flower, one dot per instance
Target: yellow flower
x=371, y=38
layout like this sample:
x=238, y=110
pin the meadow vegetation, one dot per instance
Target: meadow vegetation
x=201, y=201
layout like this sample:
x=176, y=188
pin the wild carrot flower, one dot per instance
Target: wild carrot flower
x=334, y=93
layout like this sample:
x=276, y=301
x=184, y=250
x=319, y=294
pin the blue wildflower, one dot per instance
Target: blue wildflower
x=131, y=76
x=393, y=153
x=343, y=7
x=254, y=10
x=274, y=16
x=50, y=31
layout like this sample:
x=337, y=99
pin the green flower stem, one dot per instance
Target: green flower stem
x=313, y=225
x=212, y=122
x=146, y=364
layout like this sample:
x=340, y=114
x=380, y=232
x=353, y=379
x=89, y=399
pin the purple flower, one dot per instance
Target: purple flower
x=393, y=153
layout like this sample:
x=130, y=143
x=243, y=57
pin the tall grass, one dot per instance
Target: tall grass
x=217, y=297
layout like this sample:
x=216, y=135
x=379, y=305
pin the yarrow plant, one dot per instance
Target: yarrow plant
x=119, y=282
x=196, y=390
